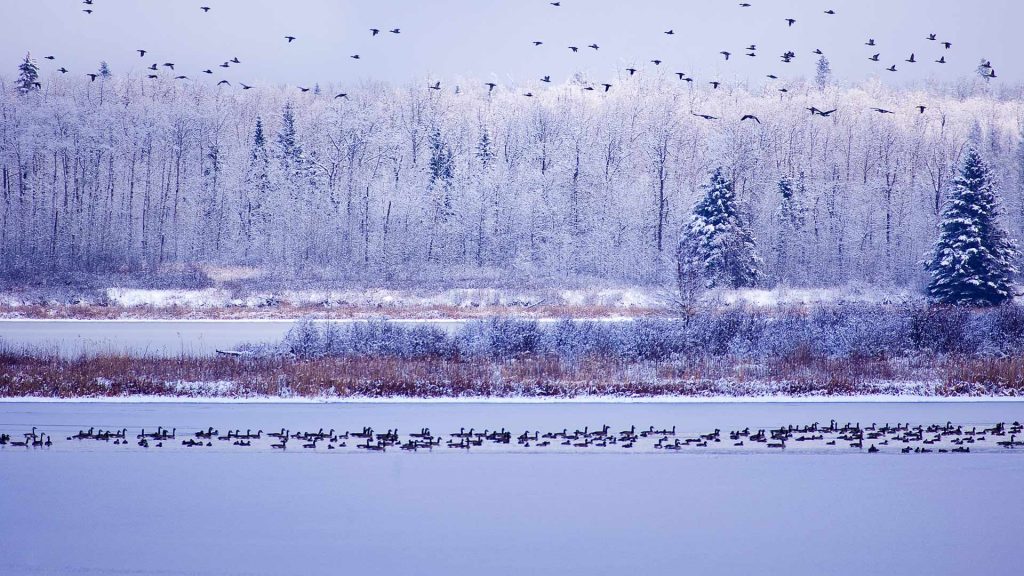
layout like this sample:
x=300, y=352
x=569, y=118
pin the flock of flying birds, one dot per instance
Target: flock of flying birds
x=750, y=51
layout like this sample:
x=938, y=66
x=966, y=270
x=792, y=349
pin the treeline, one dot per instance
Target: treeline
x=843, y=331
x=130, y=175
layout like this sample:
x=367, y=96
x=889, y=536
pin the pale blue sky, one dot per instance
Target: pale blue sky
x=491, y=39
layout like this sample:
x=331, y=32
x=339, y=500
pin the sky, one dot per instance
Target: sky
x=491, y=40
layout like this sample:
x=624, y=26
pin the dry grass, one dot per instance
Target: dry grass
x=290, y=311
x=798, y=375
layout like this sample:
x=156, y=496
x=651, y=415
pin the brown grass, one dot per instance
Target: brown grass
x=289, y=311
x=798, y=375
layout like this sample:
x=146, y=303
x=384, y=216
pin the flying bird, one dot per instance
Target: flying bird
x=574, y=48
x=207, y=71
x=546, y=79
x=883, y=111
x=537, y=42
x=244, y=86
x=941, y=60
x=870, y=42
x=50, y=57
x=92, y=76
x=830, y=12
x=395, y=30
x=236, y=60
x=656, y=62
x=223, y=82
x=435, y=85
x=342, y=95
x=930, y=37
x=490, y=87
x=947, y=45
x=875, y=57
x=726, y=54
x=631, y=71
x=704, y=116
x=891, y=68
x=528, y=94
x=354, y=56
x=607, y=87
x=290, y=39
x=912, y=60
x=204, y=8
x=750, y=117
x=670, y=32
x=921, y=109
x=62, y=70
x=790, y=21
x=374, y=31
x=715, y=84
x=142, y=53
x=594, y=46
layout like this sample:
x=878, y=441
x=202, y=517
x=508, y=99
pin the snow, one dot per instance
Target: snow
x=263, y=513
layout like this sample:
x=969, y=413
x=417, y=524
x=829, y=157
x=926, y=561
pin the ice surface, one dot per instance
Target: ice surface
x=262, y=513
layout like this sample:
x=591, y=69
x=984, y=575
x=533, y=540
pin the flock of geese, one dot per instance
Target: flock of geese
x=901, y=438
x=750, y=51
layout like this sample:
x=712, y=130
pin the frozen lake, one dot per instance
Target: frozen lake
x=72, y=338
x=86, y=511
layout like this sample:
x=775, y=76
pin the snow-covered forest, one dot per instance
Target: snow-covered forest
x=386, y=183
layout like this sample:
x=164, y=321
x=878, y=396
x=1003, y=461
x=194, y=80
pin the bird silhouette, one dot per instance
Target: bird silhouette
x=290, y=39
x=223, y=82
x=341, y=95
x=830, y=12
x=891, y=68
x=921, y=109
x=670, y=32
x=941, y=60
x=244, y=86
x=435, y=85
x=225, y=65
x=883, y=111
x=142, y=53
x=528, y=94
x=153, y=66
x=207, y=71
x=537, y=42
x=374, y=31
x=181, y=77
x=790, y=21
x=818, y=51
x=631, y=71
x=681, y=75
x=50, y=57
x=715, y=84
x=875, y=57
x=750, y=117
x=354, y=56
x=704, y=116
x=395, y=31
x=204, y=8
x=870, y=42
x=490, y=87
x=594, y=46
x=930, y=37
x=947, y=45
x=152, y=76
x=726, y=54
x=607, y=87
x=169, y=65
x=235, y=60
x=912, y=60
x=303, y=89
x=92, y=76
x=574, y=48
x=656, y=62
x=546, y=79
x=62, y=70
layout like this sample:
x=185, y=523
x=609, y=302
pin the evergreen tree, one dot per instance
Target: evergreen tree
x=28, y=76
x=824, y=73
x=717, y=249
x=790, y=223
x=972, y=264
x=104, y=69
x=254, y=215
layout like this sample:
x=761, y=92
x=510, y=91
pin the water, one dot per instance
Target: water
x=237, y=512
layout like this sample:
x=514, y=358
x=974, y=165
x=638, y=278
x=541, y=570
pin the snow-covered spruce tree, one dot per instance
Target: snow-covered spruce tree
x=823, y=74
x=256, y=190
x=442, y=175
x=972, y=264
x=28, y=75
x=790, y=217
x=104, y=69
x=716, y=249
